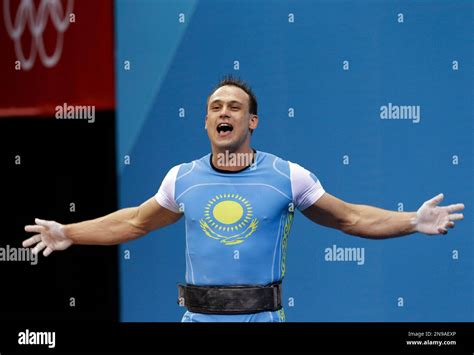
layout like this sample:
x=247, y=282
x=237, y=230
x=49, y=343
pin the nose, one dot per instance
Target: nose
x=224, y=112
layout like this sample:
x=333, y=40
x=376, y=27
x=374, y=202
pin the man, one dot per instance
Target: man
x=238, y=205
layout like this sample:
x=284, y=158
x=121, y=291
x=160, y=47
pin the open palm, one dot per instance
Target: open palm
x=433, y=219
x=50, y=237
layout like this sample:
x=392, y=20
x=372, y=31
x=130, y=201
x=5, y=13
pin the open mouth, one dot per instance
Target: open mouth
x=223, y=129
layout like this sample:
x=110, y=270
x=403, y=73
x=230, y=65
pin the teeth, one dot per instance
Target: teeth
x=224, y=127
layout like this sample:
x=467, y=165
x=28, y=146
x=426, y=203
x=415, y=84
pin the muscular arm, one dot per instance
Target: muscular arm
x=121, y=226
x=118, y=227
x=376, y=223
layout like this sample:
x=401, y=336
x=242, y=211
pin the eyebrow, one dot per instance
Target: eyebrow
x=221, y=101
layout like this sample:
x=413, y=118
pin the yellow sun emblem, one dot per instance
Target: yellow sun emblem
x=228, y=218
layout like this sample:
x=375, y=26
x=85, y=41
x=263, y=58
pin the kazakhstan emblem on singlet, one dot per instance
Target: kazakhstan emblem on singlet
x=228, y=219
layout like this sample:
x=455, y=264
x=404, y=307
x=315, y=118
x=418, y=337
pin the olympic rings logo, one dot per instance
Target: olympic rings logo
x=25, y=15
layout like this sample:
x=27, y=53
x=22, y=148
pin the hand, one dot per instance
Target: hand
x=432, y=219
x=51, y=236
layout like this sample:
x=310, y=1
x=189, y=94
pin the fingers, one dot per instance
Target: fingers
x=455, y=207
x=33, y=240
x=47, y=251
x=40, y=226
x=455, y=216
x=35, y=228
x=42, y=222
x=442, y=230
x=435, y=200
x=40, y=246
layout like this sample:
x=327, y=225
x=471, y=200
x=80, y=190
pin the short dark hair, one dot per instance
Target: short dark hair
x=233, y=81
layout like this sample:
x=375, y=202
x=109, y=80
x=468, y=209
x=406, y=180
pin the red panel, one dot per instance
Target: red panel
x=81, y=73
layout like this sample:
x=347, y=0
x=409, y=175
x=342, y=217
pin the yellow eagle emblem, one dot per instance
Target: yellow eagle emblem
x=228, y=218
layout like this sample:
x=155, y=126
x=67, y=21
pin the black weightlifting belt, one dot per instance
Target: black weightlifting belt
x=230, y=299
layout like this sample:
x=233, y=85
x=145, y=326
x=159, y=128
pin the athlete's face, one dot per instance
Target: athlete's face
x=228, y=120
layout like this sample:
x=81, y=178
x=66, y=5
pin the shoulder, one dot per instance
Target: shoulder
x=275, y=163
x=183, y=169
x=286, y=167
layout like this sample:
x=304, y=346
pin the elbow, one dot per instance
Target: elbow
x=137, y=231
x=137, y=227
x=352, y=221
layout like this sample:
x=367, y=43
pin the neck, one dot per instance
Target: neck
x=232, y=159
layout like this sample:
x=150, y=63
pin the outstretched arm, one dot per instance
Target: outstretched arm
x=118, y=227
x=376, y=223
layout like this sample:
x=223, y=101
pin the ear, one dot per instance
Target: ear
x=205, y=123
x=253, y=122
